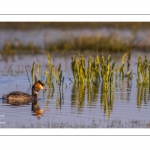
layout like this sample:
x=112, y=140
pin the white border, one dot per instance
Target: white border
x=74, y=7
x=75, y=131
x=77, y=7
x=75, y=18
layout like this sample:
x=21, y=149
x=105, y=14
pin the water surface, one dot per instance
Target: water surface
x=74, y=105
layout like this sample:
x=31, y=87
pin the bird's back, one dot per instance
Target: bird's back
x=17, y=98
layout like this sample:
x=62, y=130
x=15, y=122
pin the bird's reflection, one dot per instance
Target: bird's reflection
x=36, y=109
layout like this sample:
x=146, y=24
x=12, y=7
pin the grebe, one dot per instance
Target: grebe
x=21, y=98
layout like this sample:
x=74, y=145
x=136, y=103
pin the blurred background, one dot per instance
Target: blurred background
x=41, y=37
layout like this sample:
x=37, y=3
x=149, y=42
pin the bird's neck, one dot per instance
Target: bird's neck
x=34, y=94
x=35, y=104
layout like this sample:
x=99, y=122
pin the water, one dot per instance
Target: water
x=72, y=106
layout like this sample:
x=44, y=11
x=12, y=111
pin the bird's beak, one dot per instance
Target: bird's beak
x=45, y=88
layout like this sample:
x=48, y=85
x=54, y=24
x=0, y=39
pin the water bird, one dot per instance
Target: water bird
x=21, y=98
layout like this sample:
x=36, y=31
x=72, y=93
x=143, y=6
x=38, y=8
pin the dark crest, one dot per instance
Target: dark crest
x=40, y=82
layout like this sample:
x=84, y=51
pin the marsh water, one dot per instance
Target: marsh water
x=71, y=105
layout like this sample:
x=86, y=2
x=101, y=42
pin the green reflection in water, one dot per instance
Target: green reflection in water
x=78, y=95
x=49, y=96
x=142, y=95
x=107, y=98
x=59, y=99
x=92, y=93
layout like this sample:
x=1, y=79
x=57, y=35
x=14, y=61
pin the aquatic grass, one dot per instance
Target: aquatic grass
x=149, y=74
x=33, y=73
x=107, y=86
x=107, y=70
x=78, y=68
x=95, y=42
x=99, y=70
x=124, y=71
x=82, y=74
x=102, y=71
x=81, y=43
x=54, y=74
x=49, y=73
x=51, y=77
x=142, y=71
x=143, y=79
x=15, y=48
x=59, y=77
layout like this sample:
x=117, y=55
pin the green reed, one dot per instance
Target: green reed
x=82, y=74
x=143, y=71
x=59, y=77
x=99, y=70
x=107, y=71
x=49, y=73
x=38, y=69
x=78, y=68
x=52, y=75
x=124, y=71
x=149, y=75
x=33, y=72
x=107, y=86
x=143, y=79
x=36, y=72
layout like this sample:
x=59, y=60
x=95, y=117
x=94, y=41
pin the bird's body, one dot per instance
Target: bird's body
x=21, y=98
x=18, y=98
